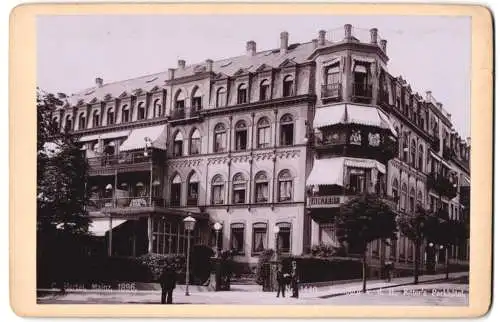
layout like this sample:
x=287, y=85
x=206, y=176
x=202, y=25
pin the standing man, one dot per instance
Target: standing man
x=167, y=280
x=280, y=278
x=295, y=280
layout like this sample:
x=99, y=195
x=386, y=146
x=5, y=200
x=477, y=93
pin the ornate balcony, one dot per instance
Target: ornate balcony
x=362, y=91
x=331, y=91
x=442, y=185
x=136, y=204
x=125, y=162
x=178, y=114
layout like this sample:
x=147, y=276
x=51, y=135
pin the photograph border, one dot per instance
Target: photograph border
x=22, y=157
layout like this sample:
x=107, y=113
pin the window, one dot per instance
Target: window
x=195, y=142
x=141, y=111
x=263, y=133
x=395, y=188
x=332, y=75
x=110, y=116
x=421, y=158
x=175, y=191
x=164, y=236
x=239, y=189
x=242, y=94
x=419, y=198
x=69, y=123
x=125, y=114
x=157, y=108
x=264, y=90
x=238, y=238
x=81, y=121
x=178, y=142
x=259, y=237
x=285, y=186
x=288, y=86
x=179, y=101
x=261, y=187
x=404, y=192
x=327, y=234
x=217, y=190
x=357, y=180
x=220, y=138
x=196, y=100
x=405, y=147
x=413, y=152
x=284, y=237
x=193, y=187
x=95, y=119
x=360, y=80
x=286, y=130
x=412, y=200
x=221, y=97
x=241, y=136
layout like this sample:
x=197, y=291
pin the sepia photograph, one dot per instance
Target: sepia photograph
x=255, y=159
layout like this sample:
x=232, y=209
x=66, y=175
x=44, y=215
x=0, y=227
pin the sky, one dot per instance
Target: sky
x=430, y=52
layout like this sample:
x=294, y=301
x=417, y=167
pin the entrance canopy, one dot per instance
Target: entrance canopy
x=99, y=226
x=140, y=138
x=352, y=114
x=331, y=171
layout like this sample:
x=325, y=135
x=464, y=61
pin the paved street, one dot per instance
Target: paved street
x=443, y=293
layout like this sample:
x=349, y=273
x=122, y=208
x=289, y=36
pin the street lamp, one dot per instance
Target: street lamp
x=217, y=228
x=276, y=231
x=189, y=223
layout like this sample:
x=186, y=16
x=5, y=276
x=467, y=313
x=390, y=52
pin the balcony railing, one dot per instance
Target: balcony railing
x=126, y=158
x=192, y=201
x=96, y=204
x=442, y=185
x=331, y=90
x=194, y=111
x=362, y=91
x=178, y=113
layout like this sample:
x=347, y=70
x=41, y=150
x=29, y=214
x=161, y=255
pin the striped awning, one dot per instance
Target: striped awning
x=156, y=135
x=104, y=136
x=331, y=171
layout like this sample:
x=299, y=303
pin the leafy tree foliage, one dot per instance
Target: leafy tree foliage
x=362, y=220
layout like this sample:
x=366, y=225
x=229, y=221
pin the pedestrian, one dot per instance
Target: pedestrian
x=295, y=280
x=280, y=278
x=388, y=267
x=167, y=280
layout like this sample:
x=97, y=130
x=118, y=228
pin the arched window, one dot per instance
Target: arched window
x=242, y=94
x=240, y=133
x=261, y=187
x=141, y=111
x=175, y=190
x=288, y=86
x=412, y=200
x=217, y=190
x=264, y=90
x=419, y=198
x=82, y=121
x=395, y=188
x=421, y=158
x=179, y=101
x=413, y=158
x=195, y=142
x=196, y=99
x=263, y=133
x=157, y=108
x=286, y=130
x=110, y=116
x=125, y=114
x=69, y=123
x=406, y=147
x=220, y=100
x=285, y=186
x=220, y=138
x=404, y=195
x=193, y=187
x=178, y=143
x=239, y=188
x=95, y=119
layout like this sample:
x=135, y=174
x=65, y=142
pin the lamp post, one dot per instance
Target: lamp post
x=276, y=231
x=217, y=228
x=189, y=223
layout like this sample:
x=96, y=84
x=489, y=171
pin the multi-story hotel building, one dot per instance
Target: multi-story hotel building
x=269, y=139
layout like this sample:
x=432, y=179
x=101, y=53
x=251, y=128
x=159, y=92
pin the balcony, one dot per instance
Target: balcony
x=435, y=142
x=137, y=204
x=178, y=114
x=192, y=201
x=383, y=97
x=362, y=91
x=133, y=161
x=331, y=91
x=442, y=185
x=447, y=153
x=194, y=111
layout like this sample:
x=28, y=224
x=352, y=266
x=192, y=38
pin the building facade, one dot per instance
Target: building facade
x=269, y=144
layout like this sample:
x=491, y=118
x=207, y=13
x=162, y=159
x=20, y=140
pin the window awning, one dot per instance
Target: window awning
x=327, y=172
x=352, y=114
x=360, y=69
x=99, y=227
x=103, y=136
x=438, y=158
x=137, y=138
x=365, y=163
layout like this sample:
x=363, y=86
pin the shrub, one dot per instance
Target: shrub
x=264, y=258
x=155, y=263
x=201, y=263
x=326, y=251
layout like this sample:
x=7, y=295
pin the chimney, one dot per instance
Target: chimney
x=181, y=63
x=383, y=44
x=98, y=82
x=251, y=48
x=171, y=72
x=284, y=42
x=315, y=43
x=428, y=96
x=374, y=35
x=348, y=31
x=468, y=141
x=321, y=37
x=210, y=64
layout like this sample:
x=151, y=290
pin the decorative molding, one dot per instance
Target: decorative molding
x=218, y=160
x=185, y=163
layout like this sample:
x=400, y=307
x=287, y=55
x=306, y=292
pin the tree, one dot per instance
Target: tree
x=62, y=221
x=414, y=228
x=363, y=219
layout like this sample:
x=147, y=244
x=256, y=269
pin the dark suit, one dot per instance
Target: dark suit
x=167, y=281
x=281, y=283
